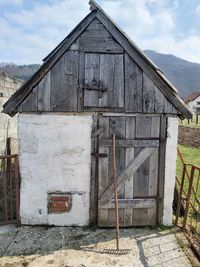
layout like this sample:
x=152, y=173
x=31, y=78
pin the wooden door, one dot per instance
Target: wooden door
x=137, y=153
x=103, y=80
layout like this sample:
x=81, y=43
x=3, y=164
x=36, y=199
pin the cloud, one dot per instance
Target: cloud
x=28, y=35
x=11, y=2
x=198, y=10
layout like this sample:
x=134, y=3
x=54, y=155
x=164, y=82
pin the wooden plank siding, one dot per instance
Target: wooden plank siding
x=137, y=154
x=126, y=87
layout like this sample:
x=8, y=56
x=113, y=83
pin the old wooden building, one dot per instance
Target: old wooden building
x=97, y=82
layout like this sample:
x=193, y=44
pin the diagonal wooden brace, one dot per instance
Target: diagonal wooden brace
x=125, y=175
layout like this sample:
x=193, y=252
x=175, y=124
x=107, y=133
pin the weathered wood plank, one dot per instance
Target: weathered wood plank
x=148, y=94
x=129, y=170
x=118, y=127
x=153, y=171
x=92, y=73
x=133, y=86
x=96, y=29
x=159, y=101
x=168, y=107
x=97, y=132
x=97, y=39
x=131, y=143
x=161, y=167
x=107, y=67
x=94, y=175
x=30, y=103
x=64, y=83
x=44, y=91
x=130, y=133
x=103, y=171
x=129, y=204
x=117, y=97
x=143, y=126
x=144, y=64
x=81, y=78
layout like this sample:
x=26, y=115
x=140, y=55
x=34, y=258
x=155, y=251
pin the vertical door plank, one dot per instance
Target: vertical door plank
x=133, y=86
x=161, y=167
x=117, y=98
x=117, y=126
x=103, y=171
x=130, y=134
x=153, y=170
x=91, y=97
x=141, y=177
x=107, y=66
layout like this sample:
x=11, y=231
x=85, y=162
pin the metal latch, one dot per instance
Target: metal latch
x=99, y=155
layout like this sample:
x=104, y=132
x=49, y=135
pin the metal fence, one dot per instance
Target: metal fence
x=9, y=189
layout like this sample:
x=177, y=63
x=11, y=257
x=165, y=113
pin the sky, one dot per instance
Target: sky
x=30, y=29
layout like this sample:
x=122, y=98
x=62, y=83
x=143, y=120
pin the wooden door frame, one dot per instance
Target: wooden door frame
x=95, y=163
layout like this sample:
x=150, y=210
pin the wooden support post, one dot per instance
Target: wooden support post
x=16, y=162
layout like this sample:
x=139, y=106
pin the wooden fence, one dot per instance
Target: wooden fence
x=9, y=189
x=188, y=202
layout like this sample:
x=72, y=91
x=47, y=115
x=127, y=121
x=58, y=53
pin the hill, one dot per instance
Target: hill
x=183, y=74
x=23, y=72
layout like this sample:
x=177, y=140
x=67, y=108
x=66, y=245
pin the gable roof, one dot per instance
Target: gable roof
x=192, y=97
x=128, y=45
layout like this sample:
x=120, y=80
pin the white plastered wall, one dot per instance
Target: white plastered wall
x=170, y=169
x=55, y=155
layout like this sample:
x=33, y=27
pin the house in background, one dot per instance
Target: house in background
x=94, y=84
x=193, y=101
x=8, y=125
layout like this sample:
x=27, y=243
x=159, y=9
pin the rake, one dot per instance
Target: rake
x=116, y=251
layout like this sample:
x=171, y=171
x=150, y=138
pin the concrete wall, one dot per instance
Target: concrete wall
x=170, y=169
x=8, y=125
x=55, y=155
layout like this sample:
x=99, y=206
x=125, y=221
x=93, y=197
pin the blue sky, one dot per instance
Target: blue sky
x=30, y=29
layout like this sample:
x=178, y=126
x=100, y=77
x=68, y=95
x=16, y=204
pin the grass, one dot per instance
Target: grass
x=192, y=123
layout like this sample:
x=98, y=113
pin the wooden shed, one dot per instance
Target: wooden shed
x=97, y=82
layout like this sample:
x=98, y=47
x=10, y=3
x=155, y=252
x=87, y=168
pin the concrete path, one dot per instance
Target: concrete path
x=78, y=247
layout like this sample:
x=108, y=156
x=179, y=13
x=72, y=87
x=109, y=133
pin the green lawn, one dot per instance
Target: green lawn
x=191, y=155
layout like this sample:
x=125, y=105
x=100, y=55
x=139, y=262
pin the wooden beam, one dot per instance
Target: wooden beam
x=125, y=175
x=130, y=203
x=131, y=143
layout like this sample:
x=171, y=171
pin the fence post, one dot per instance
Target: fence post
x=188, y=197
x=180, y=194
x=16, y=162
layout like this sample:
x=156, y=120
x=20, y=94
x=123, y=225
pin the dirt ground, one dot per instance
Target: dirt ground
x=78, y=247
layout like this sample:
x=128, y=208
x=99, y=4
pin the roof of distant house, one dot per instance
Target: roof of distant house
x=192, y=97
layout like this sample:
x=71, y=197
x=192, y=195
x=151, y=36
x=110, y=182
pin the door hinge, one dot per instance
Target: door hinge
x=99, y=155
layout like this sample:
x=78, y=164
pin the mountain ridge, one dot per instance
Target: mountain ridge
x=183, y=74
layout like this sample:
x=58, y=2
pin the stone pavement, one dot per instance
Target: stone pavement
x=79, y=247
